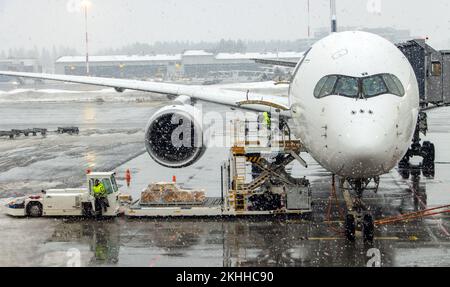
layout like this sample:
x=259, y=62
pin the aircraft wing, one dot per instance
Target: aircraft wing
x=232, y=98
x=276, y=63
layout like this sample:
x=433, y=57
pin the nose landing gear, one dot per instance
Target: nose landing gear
x=366, y=225
x=358, y=217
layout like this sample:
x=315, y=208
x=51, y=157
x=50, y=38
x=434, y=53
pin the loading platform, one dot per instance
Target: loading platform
x=254, y=181
x=213, y=207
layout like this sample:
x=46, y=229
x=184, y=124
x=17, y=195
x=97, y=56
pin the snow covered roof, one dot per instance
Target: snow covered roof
x=244, y=56
x=179, y=57
x=196, y=53
x=14, y=60
x=120, y=58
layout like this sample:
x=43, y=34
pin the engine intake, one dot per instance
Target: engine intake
x=174, y=136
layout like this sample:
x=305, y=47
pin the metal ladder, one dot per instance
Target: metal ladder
x=240, y=171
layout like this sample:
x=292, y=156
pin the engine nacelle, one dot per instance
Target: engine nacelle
x=174, y=136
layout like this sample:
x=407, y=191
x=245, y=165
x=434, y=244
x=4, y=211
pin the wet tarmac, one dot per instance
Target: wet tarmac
x=111, y=132
x=111, y=138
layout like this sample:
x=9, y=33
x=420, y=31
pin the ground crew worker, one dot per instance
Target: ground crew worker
x=268, y=122
x=267, y=119
x=100, y=196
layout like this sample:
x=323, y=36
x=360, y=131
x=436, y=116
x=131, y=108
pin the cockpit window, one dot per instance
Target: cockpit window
x=373, y=86
x=347, y=86
x=359, y=87
x=325, y=86
x=394, y=85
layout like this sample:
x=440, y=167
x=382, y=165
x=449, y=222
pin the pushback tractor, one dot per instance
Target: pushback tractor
x=69, y=201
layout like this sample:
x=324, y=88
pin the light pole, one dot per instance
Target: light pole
x=333, y=16
x=86, y=4
x=309, y=20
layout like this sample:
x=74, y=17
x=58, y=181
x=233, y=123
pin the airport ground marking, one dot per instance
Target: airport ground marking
x=393, y=238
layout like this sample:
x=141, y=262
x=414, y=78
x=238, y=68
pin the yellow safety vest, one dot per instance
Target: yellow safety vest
x=101, y=252
x=99, y=190
x=267, y=118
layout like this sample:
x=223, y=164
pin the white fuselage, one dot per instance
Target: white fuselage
x=354, y=137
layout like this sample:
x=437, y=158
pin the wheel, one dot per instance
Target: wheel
x=429, y=150
x=432, y=152
x=34, y=209
x=428, y=169
x=368, y=228
x=350, y=227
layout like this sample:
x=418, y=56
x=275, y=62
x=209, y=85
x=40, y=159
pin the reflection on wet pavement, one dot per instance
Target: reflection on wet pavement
x=203, y=242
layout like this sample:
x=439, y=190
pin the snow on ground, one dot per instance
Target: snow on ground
x=61, y=95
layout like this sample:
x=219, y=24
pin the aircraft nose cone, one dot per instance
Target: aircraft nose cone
x=364, y=147
x=364, y=140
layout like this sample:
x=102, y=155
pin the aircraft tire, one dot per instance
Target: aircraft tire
x=368, y=228
x=350, y=228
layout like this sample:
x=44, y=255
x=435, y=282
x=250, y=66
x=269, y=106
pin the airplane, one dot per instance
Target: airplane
x=353, y=102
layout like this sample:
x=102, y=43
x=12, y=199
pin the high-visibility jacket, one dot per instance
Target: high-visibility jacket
x=101, y=252
x=99, y=190
x=267, y=119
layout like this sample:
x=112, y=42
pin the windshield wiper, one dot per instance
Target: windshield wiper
x=360, y=91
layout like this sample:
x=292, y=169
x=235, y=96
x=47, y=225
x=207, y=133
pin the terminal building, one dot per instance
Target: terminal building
x=190, y=64
x=200, y=63
x=119, y=66
x=19, y=65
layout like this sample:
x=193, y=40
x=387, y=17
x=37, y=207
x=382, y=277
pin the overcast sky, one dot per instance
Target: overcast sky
x=113, y=23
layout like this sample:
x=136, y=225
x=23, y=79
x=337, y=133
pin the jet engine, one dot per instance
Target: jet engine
x=174, y=136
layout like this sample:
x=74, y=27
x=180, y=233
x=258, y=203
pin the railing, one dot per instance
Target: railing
x=255, y=133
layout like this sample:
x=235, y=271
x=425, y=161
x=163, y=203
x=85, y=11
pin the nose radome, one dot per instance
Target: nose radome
x=364, y=149
x=365, y=139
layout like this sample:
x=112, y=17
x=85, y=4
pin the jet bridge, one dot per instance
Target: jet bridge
x=432, y=69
